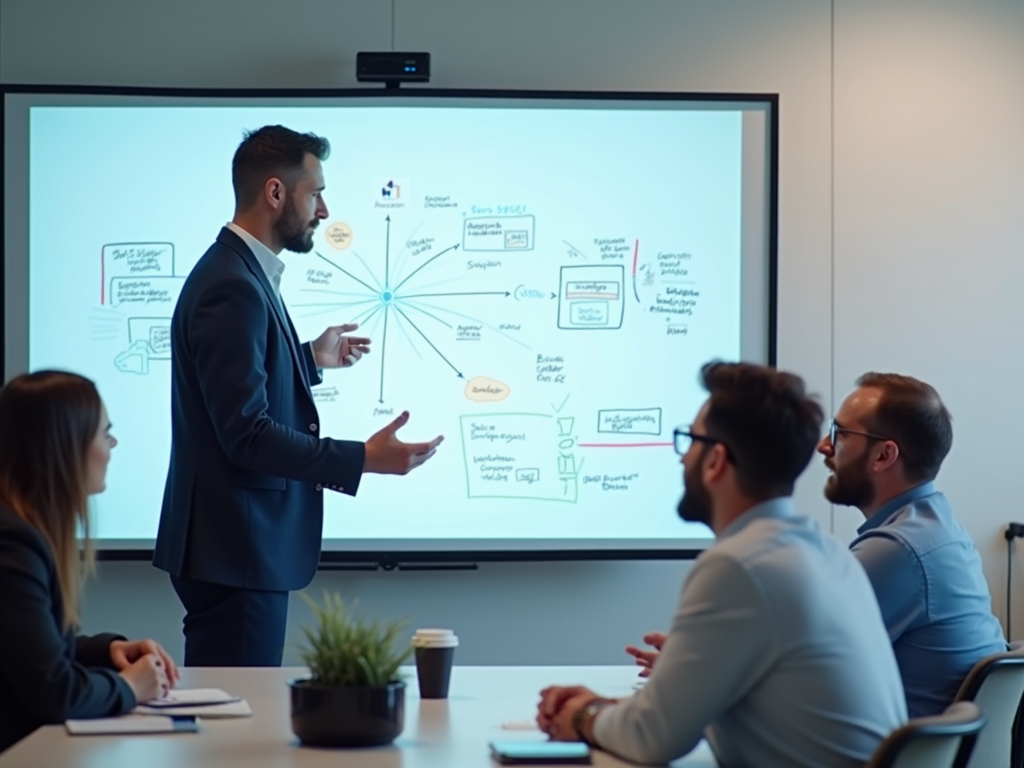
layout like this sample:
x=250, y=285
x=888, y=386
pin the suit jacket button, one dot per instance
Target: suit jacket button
x=312, y=427
x=318, y=487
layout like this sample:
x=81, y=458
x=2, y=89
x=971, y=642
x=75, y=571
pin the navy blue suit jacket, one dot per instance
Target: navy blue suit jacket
x=243, y=504
x=46, y=673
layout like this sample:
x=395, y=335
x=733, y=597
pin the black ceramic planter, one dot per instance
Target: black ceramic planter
x=332, y=716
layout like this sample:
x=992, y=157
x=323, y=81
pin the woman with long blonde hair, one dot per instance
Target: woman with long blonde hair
x=55, y=445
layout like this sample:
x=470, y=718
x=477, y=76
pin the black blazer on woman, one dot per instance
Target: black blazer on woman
x=47, y=675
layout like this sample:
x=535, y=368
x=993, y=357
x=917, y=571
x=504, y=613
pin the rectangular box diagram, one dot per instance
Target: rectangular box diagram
x=630, y=421
x=498, y=233
x=518, y=456
x=591, y=297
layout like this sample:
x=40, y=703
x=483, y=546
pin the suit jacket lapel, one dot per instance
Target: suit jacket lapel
x=229, y=238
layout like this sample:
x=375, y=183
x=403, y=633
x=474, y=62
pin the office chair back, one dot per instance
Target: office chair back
x=996, y=685
x=932, y=742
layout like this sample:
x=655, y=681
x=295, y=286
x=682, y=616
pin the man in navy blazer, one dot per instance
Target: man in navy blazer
x=242, y=515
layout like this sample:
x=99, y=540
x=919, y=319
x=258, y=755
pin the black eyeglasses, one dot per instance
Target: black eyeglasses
x=682, y=440
x=834, y=430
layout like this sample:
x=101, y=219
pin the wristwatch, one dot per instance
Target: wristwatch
x=586, y=714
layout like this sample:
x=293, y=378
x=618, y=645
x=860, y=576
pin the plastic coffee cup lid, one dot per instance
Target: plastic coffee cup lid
x=435, y=638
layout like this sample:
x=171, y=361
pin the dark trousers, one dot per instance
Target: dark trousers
x=231, y=627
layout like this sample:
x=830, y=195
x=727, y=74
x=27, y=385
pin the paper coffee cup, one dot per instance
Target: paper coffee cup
x=435, y=652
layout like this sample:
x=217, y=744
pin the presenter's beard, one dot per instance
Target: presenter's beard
x=695, y=506
x=292, y=232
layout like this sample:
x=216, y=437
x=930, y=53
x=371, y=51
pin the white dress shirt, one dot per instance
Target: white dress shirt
x=272, y=265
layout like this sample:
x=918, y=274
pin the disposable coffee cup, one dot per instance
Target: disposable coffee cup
x=435, y=651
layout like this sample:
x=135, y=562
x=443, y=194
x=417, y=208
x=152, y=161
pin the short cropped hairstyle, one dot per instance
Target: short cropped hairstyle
x=911, y=414
x=272, y=151
x=767, y=423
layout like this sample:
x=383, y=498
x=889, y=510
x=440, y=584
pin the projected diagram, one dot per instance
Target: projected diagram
x=397, y=299
x=138, y=289
x=508, y=453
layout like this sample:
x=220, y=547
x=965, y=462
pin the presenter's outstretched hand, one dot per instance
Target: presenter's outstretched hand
x=124, y=653
x=646, y=659
x=333, y=349
x=387, y=455
x=147, y=678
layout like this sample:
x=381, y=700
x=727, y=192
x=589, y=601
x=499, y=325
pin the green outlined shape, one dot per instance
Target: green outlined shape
x=524, y=459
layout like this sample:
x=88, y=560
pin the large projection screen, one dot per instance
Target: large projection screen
x=542, y=275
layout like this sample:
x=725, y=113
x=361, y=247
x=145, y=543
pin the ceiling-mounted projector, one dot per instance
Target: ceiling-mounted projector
x=392, y=67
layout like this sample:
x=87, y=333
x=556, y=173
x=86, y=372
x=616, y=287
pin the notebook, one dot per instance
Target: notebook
x=132, y=724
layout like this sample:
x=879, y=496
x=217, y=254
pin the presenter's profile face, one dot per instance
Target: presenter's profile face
x=97, y=456
x=304, y=208
x=695, y=506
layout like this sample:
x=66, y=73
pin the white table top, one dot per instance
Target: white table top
x=452, y=733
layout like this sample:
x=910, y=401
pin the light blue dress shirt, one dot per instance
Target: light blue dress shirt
x=777, y=654
x=930, y=586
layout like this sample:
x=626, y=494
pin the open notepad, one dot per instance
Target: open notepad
x=200, y=702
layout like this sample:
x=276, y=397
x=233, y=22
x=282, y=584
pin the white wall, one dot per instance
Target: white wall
x=901, y=216
x=929, y=232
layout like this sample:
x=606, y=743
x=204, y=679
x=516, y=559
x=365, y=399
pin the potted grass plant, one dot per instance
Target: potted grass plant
x=354, y=695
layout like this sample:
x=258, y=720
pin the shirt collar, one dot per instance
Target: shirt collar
x=272, y=265
x=779, y=508
x=886, y=510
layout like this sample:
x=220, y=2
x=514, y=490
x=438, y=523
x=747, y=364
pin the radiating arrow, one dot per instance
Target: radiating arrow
x=387, y=256
x=421, y=333
x=372, y=290
x=459, y=293
x=421, y=266
x=383, y=349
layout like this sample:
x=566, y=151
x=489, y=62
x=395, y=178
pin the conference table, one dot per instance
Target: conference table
x=453, y=733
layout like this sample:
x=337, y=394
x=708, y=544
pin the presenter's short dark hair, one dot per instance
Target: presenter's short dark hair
x=270, y=151
x=766, y=421
x=911, y=414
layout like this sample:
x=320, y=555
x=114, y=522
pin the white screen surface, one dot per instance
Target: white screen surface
x=541, y=281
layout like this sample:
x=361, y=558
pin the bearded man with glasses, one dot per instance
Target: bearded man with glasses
x=884, y=449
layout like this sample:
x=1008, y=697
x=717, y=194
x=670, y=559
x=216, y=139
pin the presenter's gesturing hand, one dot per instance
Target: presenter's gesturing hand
x=332, y=349
x=387, y=455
